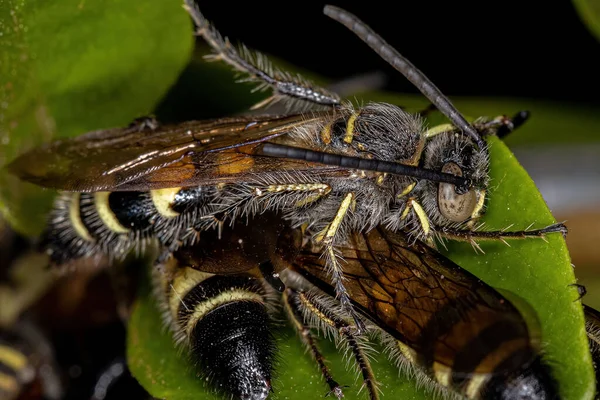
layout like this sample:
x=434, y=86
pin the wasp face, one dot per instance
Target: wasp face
x=454, y=153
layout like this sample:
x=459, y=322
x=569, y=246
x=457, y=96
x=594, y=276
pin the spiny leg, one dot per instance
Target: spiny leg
x=328, y=319
x=424, y=226
x=110, y=376
x=293, y=307
x=259, y=69
x=501, y=126
x=327, y=238
x=474, y=236
x=581, y=290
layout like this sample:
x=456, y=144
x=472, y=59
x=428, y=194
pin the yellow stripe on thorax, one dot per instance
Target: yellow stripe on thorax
x=107, y=215
x=325, y=133
x=350, y=128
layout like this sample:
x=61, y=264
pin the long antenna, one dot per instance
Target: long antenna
x=406, y=68
x=462, y=185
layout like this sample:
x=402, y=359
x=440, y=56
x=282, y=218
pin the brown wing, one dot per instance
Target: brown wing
x=592, y=327
x=123, y=159
x=427, y=302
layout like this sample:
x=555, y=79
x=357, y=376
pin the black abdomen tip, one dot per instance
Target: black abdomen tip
x=234, y=347
x=534, y=382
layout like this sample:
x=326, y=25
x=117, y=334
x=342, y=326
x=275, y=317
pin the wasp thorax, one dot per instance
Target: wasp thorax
x=455, y=207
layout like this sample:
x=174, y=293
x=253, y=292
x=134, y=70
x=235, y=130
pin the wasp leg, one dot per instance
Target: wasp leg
x=327, y=237
x=474, y=236
x=267, y=270
x=511, y=124
x=109, y=377
x=425, y=225
x=259, y=69
x=500, y=126
x=581, y=290
x=327, y=320
x=293, y=308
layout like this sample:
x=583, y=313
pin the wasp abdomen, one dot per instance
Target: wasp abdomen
x=27, y=365
x=234, y=341
x=132, y=210
x=16, y=370
x=223, y=321
x=112, y=223
x=529, y=382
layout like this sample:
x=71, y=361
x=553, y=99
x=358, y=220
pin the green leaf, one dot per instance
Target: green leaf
x=536, y=271
x=73, y=66
x=589, y=12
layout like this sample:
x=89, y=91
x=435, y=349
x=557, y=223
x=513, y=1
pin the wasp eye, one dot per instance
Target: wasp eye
x=455, y=207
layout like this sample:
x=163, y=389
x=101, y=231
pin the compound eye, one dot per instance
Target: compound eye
x=453, y=206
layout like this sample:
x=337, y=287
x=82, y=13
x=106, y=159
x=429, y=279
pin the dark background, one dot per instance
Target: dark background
x=508, y=48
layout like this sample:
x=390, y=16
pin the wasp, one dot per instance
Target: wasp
x=592, y=328
x=325, y=164
x=51, y=328
x=27, y=365
x=437, y=322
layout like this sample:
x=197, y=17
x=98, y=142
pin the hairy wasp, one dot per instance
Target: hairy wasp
x=221, y=300
x=326, y=164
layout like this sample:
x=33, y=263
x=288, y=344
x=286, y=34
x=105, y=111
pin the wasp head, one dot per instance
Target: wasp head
x=454, y=153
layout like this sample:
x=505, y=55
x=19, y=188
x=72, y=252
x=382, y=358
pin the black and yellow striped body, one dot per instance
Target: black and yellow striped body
x=240, y=181
x=223, y=321
x=436, y=319
x=113, y=223
x=28, y=369
x=16, y=368
x=509, y=378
